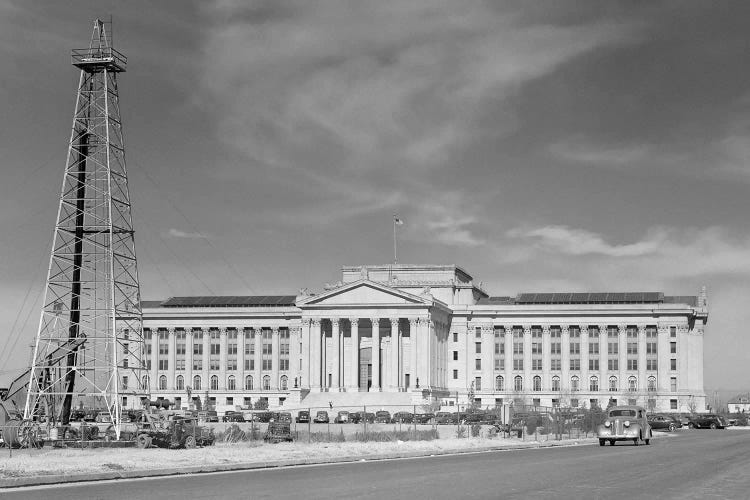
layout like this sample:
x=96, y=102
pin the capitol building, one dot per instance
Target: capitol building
x=416, y=333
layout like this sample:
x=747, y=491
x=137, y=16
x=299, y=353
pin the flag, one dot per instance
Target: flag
x=397, y=221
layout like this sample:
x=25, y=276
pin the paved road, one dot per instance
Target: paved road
x=701, y=464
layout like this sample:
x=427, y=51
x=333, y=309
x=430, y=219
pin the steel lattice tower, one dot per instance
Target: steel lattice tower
x=89, y=348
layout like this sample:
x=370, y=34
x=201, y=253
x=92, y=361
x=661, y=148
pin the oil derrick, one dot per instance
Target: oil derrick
x=89, y=349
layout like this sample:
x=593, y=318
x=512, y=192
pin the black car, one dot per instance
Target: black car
x=321, y=417
x=382, y=417
x=708, y=421
x=403, y=417
x=663, y=422
x=358, y=416
x=303, y=417
x=424, y=418
x=233, y=416
x=263, y=416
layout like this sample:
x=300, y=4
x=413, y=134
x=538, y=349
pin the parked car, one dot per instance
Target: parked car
x=402, y=417
x=283, y=416
x=212, y=416
x=103, y=417
x=625, y=423
x=358, y=417
x=321, y=417
x=424, y=418
x=342, y=417
x=303, y=417
x=233, y=416
x=263, y=416
x=664, y=422
x=707, y=421
x=382, y=417
x=355, y=417
x=446, y=417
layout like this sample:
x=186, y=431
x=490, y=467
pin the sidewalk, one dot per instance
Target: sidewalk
x=52, y=466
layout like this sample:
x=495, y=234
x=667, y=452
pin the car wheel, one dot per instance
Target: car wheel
x=713, y=425
x=672, y=427
x=143, y=441
x=635, y=441
x=691, y=425
x=601, y=442
x=190, y=442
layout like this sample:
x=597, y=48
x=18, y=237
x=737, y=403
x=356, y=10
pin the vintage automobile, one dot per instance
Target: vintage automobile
x=446, y=417
x=342, y=417
x=233, y=416
x=382, y=417
x=321, y=417
x=402, y=417
x=666, y=422
x=303, y=417
x=707, y=421
x=424, y=418
x=625, y=423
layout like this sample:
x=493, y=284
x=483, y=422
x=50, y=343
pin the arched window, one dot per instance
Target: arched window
x=652, y=383
x=594, y=384
x=574, y=384
x=556, y=383
x=266, y=383
x=180, y=383
x=537, y=381
x=613, y=383
x=214, y=383
x=231, y=384
x=145, y=382
x=284, y=384
x=163, y=383
x=499, y=383
x=249, y=383
x=518, y=383
x=632, y=384
x=197, y=383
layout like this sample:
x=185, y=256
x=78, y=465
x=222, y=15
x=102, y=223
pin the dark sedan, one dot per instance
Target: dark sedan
x=402, y=417
x=664, y=422
x=321, y=417
x=707, y=421
x=303, y=417
x=382, y=417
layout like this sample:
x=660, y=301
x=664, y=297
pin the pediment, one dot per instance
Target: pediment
x=364, y=293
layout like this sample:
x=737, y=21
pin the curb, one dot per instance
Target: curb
x=205, y=469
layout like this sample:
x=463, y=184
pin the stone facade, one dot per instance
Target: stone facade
x=429, y=331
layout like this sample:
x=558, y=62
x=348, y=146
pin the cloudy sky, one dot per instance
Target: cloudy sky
x=542, y=146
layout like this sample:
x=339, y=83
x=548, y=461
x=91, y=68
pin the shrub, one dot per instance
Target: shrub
x=475, y=430
x=391, y=436
x=461, y=432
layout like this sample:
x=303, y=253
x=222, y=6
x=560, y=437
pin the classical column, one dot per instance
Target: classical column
x=546, y=357
x=241, y=359
x=528, y=375
x=375, y=354
x=565, y=359
x=603, y=360
x=205, y=372
x=315, y=364
x=393, y=379
x=223, y=348
x=171, y=359
x=353, y=378
x=488, y=358
x=275, y=358
x=258, y=376
x=154, y=375
x=584, y=382
x=336, y=353
x=663, y=357
x=509, y=358
x=305, y=378
x=642, y=379
x=189, y=358
x=413, y=322
x=623, y=350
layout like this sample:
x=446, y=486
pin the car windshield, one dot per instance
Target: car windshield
x=622, y=413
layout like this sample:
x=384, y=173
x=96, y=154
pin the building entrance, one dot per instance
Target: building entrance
x=365, y=369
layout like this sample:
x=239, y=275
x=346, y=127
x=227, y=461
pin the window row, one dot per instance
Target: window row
x=214, y=383
x=536, y=384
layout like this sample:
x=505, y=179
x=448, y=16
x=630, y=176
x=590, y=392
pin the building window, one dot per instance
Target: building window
x=500, y=364
x=478, y=348
x=518, y=364
x=518, y=383
x=612, y=384
x=593, y=332
x=651, y=364
x=613, y=364
x=249, y=334
x=555, y=348
x=574, y=384
x=478, y=332
x=197, y=383
x=455, y=355
x=180, y=383
x=163, y=383
x=575, y=364
x=556, y=383
x=536, y=402
x=672, y=404
x=536, y=364
x=478, y=364
x=555, y=364
x=284, y=385
x=231, y=384
x=575, y=348
x=594, y=348
x=651, y=348
x=478, y=383
x=499, y=383
x=197, y=364
x=632, y=364
x=455, y=374
x=536, y=383
x=214, y=383
x=266, y=383
x=613, y=347
x=652, y=384
x=673, y=332
x=673, y=364
x=594, y=384
x=673, y=347
x=455, y=337
x=163, y=364
x=230, y=401
x=594, y=364
x=125, y=382
x=248, y=381
x=673, y=384
x=632, y=384
x=574, y=402
x=632, y=348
